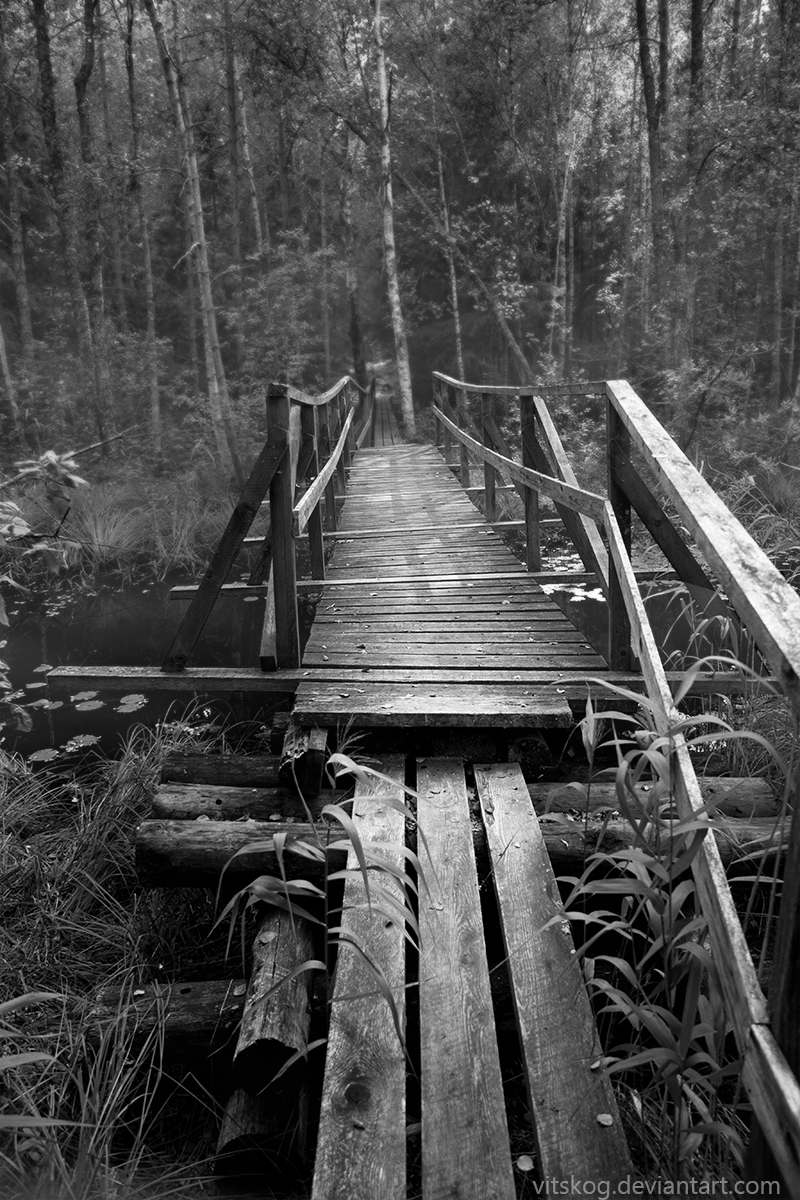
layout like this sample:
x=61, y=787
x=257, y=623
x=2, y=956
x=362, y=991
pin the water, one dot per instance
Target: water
x=109, y=623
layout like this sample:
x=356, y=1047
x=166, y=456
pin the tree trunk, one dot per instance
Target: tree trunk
x=351, y=262
x=234, y=173
x=389, y=250
x=655, y=152
x=113, y=206
x=9, y=390
x=219, y=401
x=324, y=283
x=64, y=208
x=17, y=244
x=246, y=160
x=451, y=262
x=91, y=208
x=144, y=234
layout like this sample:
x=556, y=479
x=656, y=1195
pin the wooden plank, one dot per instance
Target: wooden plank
x=731, y=797
x=191, y=680
x=361, y=1147
x=266, y=466
x=588, y=504
x=576, y=1121
x=434, y=706
x=465, y=1147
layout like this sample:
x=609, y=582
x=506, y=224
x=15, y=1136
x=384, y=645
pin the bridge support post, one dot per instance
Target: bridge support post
x=489, y=472
x=459, y=400
x=284, y=570
x=308, y=425
x=620, y=654
x=533, y=550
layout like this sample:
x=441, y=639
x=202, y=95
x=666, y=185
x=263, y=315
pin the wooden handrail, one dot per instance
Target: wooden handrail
x=296, y=396
x=589, y=504
x=302, y=510
x=767, y=604
x=540, y=389
x=767, y=1075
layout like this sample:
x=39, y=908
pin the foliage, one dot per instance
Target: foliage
x=643, y=942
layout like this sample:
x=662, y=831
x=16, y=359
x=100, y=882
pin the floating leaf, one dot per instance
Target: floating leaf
x=43, y=755
x=42, y=669
x=89, y=705
x=84, y=696
x=82, y=739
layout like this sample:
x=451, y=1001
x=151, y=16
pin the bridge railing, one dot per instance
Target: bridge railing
x=310, y=441
x=768, y=1036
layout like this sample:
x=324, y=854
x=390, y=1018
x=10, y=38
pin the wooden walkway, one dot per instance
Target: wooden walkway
x=426, y=617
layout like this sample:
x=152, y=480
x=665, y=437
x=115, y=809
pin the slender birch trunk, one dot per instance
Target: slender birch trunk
x=247, y=162
x=112, y=208
x=9, y=389
x=389, y=249
x=219, y=401
x=350, y=260
x=144, y=237
x=234, y=174
x=324, y=282
x=451, y=262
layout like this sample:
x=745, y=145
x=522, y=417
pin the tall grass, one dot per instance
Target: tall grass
x=79, y=1109
x=643, y=942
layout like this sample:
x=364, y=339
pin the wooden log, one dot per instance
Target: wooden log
x=233, y=770
x=187, y=802
x=262, y=1137
x=277, y=734
x=275, y=1024
x=576, y=1121
x=196, y=1017
x=194, y=853
x=361, y=1149
x=744, y=798
x=303, y=758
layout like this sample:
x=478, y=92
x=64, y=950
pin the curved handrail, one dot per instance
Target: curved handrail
x=597, y=388
x=304, y=508
x=589, y=504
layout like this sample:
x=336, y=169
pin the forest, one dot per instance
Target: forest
x=198, y=198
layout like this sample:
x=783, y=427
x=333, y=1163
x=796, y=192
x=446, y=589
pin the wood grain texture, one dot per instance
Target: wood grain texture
x=361, y=1148
x=465, y=1147
x=568, y=1093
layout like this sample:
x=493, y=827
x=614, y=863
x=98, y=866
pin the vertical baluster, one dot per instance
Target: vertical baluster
x=489, y=472
x=284, y=571
x=308, y=425
x=437, y=399
x=533, y=550
x=620, y=655
x=460, y=400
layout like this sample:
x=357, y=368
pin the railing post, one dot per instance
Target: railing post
x=489, y=472
x=620, y=655
x=437, y=399
x=308, y=426
x=325, y=444
x=460, y=399
x=340, y=466
x=373, y=410
x=533, y=549
x=349, y=444
x=284, y=573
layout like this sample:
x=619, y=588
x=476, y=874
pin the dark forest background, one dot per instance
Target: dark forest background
x=194, y=200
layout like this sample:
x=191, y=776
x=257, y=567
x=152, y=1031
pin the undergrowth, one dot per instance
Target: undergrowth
x=645, y=947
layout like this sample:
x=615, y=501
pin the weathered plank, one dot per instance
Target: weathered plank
x=732, y=797
x=433, y=705
x=577, y=1124
x=465, y=1147
x=361, y=1148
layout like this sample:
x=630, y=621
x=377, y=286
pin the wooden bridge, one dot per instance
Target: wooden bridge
x=441, y=644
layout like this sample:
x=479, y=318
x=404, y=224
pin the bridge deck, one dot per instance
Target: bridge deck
x=427, y=618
